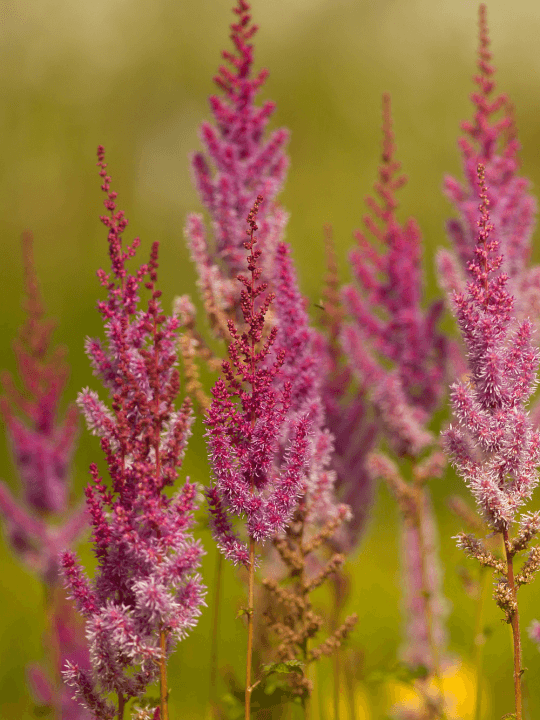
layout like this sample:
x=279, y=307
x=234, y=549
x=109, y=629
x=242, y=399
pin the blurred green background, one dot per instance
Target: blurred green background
x=135, y=77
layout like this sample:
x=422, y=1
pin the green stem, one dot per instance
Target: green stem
x=121, y=706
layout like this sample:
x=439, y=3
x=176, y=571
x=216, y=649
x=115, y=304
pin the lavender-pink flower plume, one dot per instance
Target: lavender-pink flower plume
x=494, y=446
x=146, y=594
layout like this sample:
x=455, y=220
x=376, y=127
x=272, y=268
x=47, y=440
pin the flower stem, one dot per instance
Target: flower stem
x=515, y=625
x=121, y=706
x=163, y=692
x=249, y=688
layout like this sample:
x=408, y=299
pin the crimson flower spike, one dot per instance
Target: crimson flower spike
x=244, y=431
x=146, y=594
x=494, y=446
x=386, y=311
x=491, y=141
x=244, y=427
x=239, y=164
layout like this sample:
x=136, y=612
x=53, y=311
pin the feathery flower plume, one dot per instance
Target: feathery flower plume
x=346, y=411
x=42, y=446
x=41, y=524
x=398, y=355
x=494, y=446
x=146, y=594
x=256, y=477
x=245, y=427
x=388, y=321
x=239, y=165
x=490, y=140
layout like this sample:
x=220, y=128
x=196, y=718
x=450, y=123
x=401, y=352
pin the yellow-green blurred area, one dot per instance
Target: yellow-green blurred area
x=135, y=77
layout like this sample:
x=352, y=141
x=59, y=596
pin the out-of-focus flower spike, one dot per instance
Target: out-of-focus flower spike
x=491, y=141
x=388, y=320
x=245, y=164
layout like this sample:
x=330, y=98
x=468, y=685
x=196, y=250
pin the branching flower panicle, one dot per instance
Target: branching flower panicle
x=146, y=594
x=491, y=141
x=387, y=312
x=245, y=427
x=41, y=524
x=494, y=446
x=245, y=165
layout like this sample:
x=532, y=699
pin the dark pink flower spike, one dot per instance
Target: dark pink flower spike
x=246, y=421
x=147, y=581
x=42, y=446
x=239, y=164
x=388, y=321
x=494, y=446
x=491, y=141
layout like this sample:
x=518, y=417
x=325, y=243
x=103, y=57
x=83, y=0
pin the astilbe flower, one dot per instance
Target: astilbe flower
x=146, y=594
x=301, y=369
x=346, y=412
x=41, y=444
x=494, y=445
x=245, y=165
x=398, y=355
x=388, y=321
x=244, y=428
x=491, y=140
x=41, y=523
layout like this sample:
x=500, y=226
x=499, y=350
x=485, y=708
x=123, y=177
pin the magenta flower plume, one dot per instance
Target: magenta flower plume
x=42, y=445
x=41, y=524
x=346, y=412
x=245, y=165
x=303, y=359
x=388, y=321
x=494, y=446
x=244, y=427
x=146, y=585
x=490, y=140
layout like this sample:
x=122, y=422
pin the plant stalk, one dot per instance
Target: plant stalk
x=515, y=626
x=249, y=688
x=163, y=692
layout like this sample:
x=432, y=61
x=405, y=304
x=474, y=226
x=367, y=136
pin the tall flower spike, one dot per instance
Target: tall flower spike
x=245, y=165
x=146, y=594
x=490, y=140
x=42, y=449
x=301, y=369
x=244, y=427
x=346, y=412
x=387, y=312
x=494, y=446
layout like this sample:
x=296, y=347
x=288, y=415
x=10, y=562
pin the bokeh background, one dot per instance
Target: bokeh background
x=134, y=75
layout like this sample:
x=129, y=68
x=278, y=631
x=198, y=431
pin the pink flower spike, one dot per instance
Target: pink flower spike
x=494, y=446
x=146, y=583
x=244, y=426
